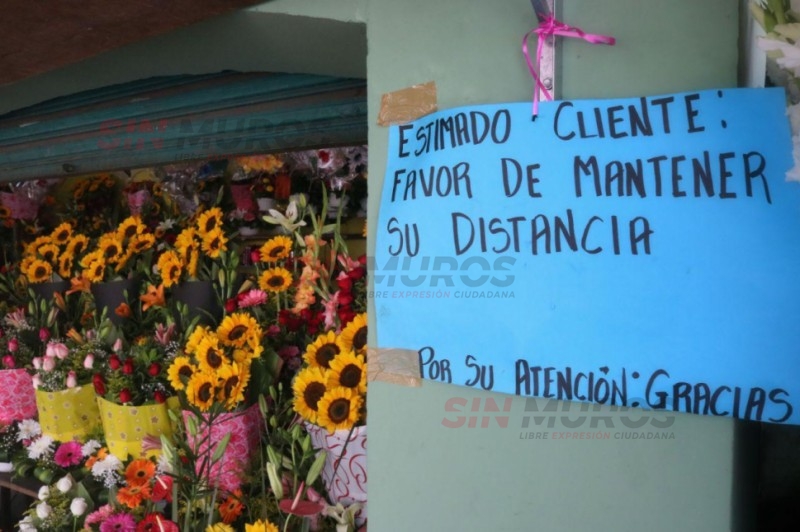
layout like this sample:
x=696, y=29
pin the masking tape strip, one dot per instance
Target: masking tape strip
x=397, y=366
x=406, y=105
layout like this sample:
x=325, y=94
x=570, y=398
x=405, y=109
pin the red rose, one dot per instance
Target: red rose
x=99, y=384
x=159, y=396
x=114, y=362
x=125, y=396
x=154, y=369
x=255, y=256
x=362, y=260
x=345, y=298
x=127, y=367
x=231, y=305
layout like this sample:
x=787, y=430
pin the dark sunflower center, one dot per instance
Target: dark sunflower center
x=48, y=256
x=111, y=251
x=360, y=338
x=213, y=358
x=211, y=224
x=174, y=272
x=230, y=385
x=277, y=251
x=204, y=393
x=326, y=353
x=339, y=410
x=275, y=281
x=62, y=236
x=40, y=271
x=350, y=376
x=78, y=248
x=215, y=244
x=313, y=393
x=237, y=332
x=185, y=371
x=130, y=231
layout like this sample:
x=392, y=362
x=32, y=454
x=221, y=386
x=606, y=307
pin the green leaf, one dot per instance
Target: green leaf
x=220, y=450
x=273, y=456
x=316, y=468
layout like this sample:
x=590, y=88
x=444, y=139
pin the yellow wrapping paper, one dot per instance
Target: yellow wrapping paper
x=68, y=414
x=125, y=427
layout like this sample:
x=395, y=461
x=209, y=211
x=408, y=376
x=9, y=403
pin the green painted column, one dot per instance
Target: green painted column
x=425, y=476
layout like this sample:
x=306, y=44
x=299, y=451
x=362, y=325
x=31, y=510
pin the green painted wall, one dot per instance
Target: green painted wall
x=423, y=476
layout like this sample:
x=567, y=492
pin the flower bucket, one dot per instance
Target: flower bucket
x=349, y=485
x=18, y=398
x=125, y=427
x=199, y=296
x=46, y=290
x=111, y=294
x=245, y=430
x=68, y=414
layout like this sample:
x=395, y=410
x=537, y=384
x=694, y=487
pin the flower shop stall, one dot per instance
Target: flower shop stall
x=192, y=354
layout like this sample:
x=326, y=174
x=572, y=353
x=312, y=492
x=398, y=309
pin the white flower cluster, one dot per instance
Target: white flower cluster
x=108, y=470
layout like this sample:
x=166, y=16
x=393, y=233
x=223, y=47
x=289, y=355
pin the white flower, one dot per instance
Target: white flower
x=40, y=447
x=90, y=447
x=78, y=506
x=287, y=221
x=43, y=510
x=64, y=484
x=28, y=429
x=790, y=54
x=107, y=470
x=44, y=493
x=26, y=525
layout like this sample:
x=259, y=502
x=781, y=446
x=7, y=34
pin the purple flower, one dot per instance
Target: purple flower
x=68, y=454
x=119, y=523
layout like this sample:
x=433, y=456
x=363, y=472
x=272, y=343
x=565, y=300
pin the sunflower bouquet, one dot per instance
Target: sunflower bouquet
x=120, y=253
x=55, y=256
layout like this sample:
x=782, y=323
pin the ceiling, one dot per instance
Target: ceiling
x=40, y=36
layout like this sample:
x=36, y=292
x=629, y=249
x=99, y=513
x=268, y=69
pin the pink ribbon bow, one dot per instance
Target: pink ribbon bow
x=550, y=26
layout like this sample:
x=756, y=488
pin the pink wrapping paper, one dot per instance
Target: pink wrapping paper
x=245, y=429
x=17, y=399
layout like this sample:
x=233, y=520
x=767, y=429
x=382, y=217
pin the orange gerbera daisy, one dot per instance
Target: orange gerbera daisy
x=133, y=496
x=231, y=507
x=140, y=472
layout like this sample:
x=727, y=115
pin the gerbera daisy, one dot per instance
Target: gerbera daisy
x=180, y=371
x=119, y=523
x=68, y=454
x=48, y=252
x=209, y=220
x=354, y=335
x=339, y=409
x=139, y=472
x=275, y=280
x=133, y=496
x=214, y=243
x=38, y=271
x=261, y=526
x=309, y=387
x=156, y=523
x=275, y=249
x=62, y=233
x=322, y=350
x=200, y=391
x=169, y=266
x=252, y=298
x=209, y=354
x=349, y=371
x=231, y=507
x=238, y=329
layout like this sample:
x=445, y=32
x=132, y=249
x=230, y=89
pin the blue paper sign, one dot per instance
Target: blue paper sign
x=633, y=252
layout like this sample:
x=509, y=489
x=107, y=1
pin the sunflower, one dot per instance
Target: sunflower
x=110, y=247
x=93, y=256
x=40, y=241
x=233, y=379
x=231, y=507
x=339, y=409
x=214, y=243
x=94, y=271
x=141, y=243
x=62, y=233
x=5, y=212
x=186, y=238
x=349, y=371
x=239, y=329
x=275, y=280
x=191, y=257
x=140, y=471
x=48, y=252
x=195, y=337
x=322, y=350
x=65, y=265
x=260, y=526
x=275, y=249
x=180, y=371
x=209, y=221
x=129, y=227
x=38, y=271
x=354, y=335
x=309, y=387
x=77, y=244
x=169, y=266
x=26, y=262
x=200, y=390
x=210, y=355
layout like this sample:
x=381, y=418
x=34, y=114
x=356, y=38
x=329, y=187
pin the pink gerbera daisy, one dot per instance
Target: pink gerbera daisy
x=123, y=522
x=68, y=454
x=252, y=298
